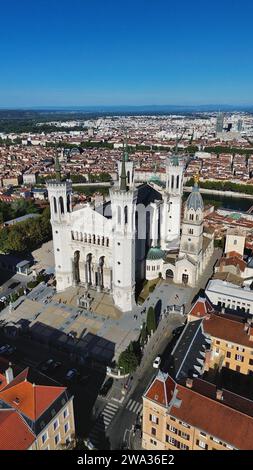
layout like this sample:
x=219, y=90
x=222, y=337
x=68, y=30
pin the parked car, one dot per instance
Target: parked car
x=71, y=374
x=56, y=365
x=10, y=350
x=89, y=444
x=7, y=349
x=106, y=387
x=157, y=362
x=46, y=365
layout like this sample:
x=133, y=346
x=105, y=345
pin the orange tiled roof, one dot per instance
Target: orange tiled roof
x=215, y=418
x=14, y=432
x=30, y=399
x=201, y=308
x=231, y=330
x=161, y=390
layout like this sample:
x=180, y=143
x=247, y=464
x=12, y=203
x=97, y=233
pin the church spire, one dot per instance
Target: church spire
x=123, y=177
x=57, y=168
x=126, y=149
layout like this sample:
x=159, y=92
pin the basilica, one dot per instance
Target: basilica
x=137, y=234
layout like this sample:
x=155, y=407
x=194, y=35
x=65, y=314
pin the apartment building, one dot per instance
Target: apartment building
x=191, y=405
x=230, y=336
x=34, y=417
x=195, y=416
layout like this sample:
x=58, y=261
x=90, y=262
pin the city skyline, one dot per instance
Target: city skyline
x=146, y=54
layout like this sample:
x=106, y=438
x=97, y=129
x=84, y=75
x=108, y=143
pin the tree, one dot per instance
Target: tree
x=128, y=361
x=151, y=320
x=144, y=334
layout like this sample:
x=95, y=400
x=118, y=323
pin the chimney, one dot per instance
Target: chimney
x=219, y=394
x=9, y=374
x=189, y=382
x=246, y=327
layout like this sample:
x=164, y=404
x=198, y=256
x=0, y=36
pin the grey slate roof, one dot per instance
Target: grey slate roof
x=195, y=200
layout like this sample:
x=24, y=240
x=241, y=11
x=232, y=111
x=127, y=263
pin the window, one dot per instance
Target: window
x=240, y=349
x=229, y=354
x=126, y=214
x=153, y=442
x=172, y=429
x=251, y=362
x=56, y=424
x=154, y=419
x=238, y=368
x=217, y=440
x=57, y=439
x=184, y=424
x=65, y=413
x=184, y=435
x=238, y=357
x=235, y=242
x=203, y=434
x=183, y=446
x=171, y=440
x=44, y=437
x=217, y=342
x=202, y=444
x=153, y=431
x=66, y=427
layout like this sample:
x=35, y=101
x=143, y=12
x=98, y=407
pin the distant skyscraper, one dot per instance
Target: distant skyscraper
x=220, y=122
x=239, y=125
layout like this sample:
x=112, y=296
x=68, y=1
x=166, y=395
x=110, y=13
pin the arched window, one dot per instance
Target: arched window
x=55, y=206
x=197, y=217
x=126, y=214
x=119, y=215
x=94, y=239
x=137, y=224
x=128, y=177
x=68, y=203
x=85, y=237
x=172, y=181
x=177, y=181
x=98, y=240
x=191, y=217
x=107, y=242
x=103, y=241
x=61, y=204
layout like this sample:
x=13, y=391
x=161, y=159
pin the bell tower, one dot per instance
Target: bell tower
x=59, y=196
x=123, y=204
x=172, y=203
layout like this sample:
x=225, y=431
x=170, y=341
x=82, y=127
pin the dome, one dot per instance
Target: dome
x=155, y=253
x=195, y=200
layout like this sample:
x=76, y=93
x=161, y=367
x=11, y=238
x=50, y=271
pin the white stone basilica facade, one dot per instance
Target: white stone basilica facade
x=135, y=235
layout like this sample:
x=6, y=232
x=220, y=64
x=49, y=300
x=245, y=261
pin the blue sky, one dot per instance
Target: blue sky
x=107, y=52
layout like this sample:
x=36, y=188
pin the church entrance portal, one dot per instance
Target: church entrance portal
x=185, y=278
x=169, y=274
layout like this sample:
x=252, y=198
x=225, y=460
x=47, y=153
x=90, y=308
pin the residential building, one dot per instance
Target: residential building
x=34, y=417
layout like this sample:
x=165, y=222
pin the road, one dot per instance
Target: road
x=115, y=419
